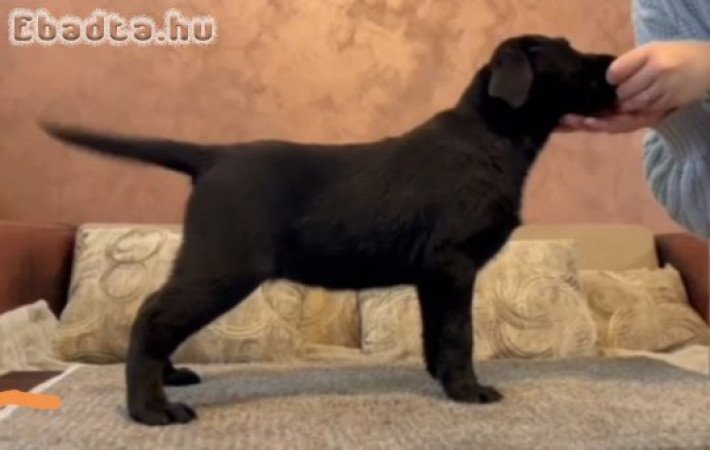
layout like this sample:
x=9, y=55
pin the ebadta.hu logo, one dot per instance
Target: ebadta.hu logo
x=38, y=27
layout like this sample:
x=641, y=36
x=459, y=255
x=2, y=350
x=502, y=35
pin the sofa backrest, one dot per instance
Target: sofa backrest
x=601, y=246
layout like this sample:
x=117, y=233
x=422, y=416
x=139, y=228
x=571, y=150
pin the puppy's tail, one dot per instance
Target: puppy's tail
x=183, y=157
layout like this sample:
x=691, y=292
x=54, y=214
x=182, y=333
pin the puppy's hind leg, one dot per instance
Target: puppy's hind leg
x=184, y=305
x=431, y=324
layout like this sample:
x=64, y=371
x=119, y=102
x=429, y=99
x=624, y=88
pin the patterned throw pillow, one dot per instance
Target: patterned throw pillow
x=116, y=267
x=642, y=309
x=26, y=335
x=391, y=325
x=528, y=304
x=330, y=318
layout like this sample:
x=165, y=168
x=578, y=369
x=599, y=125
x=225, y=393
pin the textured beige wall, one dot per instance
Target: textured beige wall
x=308, y=70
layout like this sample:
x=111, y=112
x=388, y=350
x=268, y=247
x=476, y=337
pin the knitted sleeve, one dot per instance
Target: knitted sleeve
x=676, y=151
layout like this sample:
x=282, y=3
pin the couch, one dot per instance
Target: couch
x=37, y=258
x=328, y=398
x=555, y=291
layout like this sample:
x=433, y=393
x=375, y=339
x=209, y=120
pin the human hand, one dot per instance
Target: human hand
x=619, y=122
x=652, y=81
x=660, y=76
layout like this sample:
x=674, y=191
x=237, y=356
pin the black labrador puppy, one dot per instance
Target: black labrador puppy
x=427, y=208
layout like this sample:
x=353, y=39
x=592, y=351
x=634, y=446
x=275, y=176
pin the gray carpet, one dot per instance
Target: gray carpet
x=583, y=404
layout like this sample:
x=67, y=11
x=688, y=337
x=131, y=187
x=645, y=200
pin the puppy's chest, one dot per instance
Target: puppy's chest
x=481, y=211
x=474, y=226
x=490, y=192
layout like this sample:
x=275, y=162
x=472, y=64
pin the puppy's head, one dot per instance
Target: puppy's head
x=547, y=76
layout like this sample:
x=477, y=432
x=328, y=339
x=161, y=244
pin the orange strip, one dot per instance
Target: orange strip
x=29, y=400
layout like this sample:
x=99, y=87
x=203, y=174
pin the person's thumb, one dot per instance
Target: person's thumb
x=627, y=65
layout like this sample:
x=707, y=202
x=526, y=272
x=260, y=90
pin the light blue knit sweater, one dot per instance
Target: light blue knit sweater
x=677, y=151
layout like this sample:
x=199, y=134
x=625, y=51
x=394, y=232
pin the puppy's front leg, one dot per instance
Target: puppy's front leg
x=448, y=339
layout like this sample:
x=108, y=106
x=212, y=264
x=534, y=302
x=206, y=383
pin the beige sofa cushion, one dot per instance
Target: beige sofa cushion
x=330, y=318
x=601, y=246
x=642, y=309
x=26, y=335
x=528, y=304
x=117, y=266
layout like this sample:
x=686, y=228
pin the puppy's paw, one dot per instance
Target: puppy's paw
x=181, y=377
x=470, y=392
x=168, y=414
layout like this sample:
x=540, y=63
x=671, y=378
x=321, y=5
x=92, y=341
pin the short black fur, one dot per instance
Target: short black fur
x=428, y=208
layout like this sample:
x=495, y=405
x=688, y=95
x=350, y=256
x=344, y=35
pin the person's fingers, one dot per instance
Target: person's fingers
x=565, y=129
x=643, y=100
x=594, y=124
x=660, y=104
x=636, y=84
x=572, y=120
x=571, y=123
x=621, y=123
x=616, y=123
x=627, y=65
x=598, y=124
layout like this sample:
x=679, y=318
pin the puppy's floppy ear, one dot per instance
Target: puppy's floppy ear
x=511, y=77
